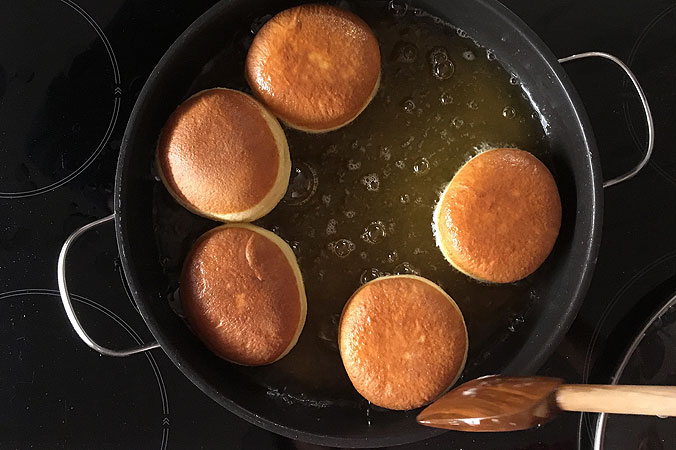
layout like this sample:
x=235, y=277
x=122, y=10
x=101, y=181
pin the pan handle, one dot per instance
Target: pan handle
x=68, y=304
x=644, y=102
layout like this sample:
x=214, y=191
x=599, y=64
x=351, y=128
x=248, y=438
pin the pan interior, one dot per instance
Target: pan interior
x=293, y=397
x=361, y=198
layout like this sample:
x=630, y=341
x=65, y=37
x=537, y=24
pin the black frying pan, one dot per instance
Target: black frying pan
x=561, y=288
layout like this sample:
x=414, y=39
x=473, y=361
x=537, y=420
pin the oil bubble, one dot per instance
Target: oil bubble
x=342, y=247
x=371, y=182
x=457, y=122
x=326, y=199
x=468, y=55
x=437, y=55
x=349, y=214
x=514, y=80
x=302, y=184
x=446, y=99
x=331, y=227
x=473, y=105
x=443, y=70
x=421, y=166
x=490, y=55
x=363, y=255
x=397, y=8
x=353, y=165
x=393, y=256
x=400, y=164
x=408, y=105
x=405, y=198
x=385, y=153
x=370, y=275
x=461, y=33
x=406, y=268
x=508, y=112
x=374, y=232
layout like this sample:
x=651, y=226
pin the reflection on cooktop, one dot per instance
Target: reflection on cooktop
x=654, y=56
x=55, y=383
x=648, y=360
x=60, y=94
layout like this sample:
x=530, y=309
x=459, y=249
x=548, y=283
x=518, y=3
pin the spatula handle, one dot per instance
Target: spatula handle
x=644, y=400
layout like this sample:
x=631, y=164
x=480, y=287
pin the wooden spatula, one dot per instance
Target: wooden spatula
x=497, y=403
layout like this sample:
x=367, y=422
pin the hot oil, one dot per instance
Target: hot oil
x=361, y=198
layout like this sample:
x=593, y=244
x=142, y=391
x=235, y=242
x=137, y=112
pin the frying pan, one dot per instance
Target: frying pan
x=561, y=288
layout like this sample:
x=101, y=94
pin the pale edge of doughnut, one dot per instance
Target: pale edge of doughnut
x=279, y=187
x=434, y=285
x=291, y=258
x=447, y=252
x=347, y=122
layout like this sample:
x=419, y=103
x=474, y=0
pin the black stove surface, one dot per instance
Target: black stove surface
x=69, y=75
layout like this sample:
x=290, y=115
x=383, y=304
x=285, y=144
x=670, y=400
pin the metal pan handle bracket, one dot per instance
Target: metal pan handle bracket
x=68, y=304
x=644, y=102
